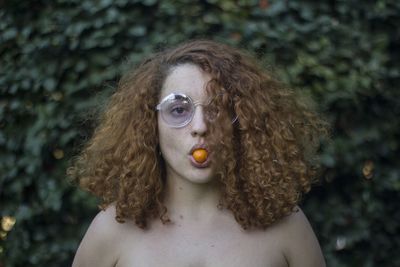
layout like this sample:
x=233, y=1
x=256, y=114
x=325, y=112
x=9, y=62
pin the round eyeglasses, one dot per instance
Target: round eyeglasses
x=177, y=110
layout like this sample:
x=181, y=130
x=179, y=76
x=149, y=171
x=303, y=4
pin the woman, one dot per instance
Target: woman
x=200, y=159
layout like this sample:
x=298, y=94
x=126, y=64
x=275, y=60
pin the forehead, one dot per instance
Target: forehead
x=187, y=79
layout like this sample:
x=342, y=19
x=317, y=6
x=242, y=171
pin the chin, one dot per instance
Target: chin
x=190, y=173
x=201, y=176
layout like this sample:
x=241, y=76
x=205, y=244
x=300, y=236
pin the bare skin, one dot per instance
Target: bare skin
x=200, y=235
x=190, y=242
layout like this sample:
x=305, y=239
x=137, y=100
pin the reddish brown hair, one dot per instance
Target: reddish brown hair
x=267, y=155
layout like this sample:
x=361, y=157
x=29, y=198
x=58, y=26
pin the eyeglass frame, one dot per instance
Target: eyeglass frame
x=194, y=104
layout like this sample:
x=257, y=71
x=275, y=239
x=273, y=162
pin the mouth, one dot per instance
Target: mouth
x=195, y=163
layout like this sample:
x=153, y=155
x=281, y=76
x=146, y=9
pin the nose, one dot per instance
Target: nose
x=198, y=123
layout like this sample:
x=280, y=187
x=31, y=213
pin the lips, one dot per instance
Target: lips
x=196, y=164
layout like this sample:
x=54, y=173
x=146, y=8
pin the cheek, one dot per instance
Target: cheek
x=174, y=143
x=167, y=137
x=162, y=134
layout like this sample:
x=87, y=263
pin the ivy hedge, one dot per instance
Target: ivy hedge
x=60, y=60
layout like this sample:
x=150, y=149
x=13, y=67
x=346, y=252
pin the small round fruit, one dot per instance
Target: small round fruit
x=200, y=155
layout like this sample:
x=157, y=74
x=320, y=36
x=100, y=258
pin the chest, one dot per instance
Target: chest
x=191, y=248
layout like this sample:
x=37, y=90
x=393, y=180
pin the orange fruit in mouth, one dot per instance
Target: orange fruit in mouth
x=200, y=155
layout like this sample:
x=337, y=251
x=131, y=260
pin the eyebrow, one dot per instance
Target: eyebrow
x=205, y=102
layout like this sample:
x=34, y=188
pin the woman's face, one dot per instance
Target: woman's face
x=177, y=142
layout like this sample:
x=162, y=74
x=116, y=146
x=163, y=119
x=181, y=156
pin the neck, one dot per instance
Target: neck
x=189, y=201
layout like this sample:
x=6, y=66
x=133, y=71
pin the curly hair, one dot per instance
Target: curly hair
x=268, y=156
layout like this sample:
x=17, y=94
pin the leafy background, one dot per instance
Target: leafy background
x=60, y=59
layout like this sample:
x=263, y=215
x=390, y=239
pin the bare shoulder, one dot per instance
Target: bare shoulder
x=298, y=241
x=98, y=246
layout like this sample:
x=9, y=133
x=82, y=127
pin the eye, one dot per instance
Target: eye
x=178, y=110
x=212, y=112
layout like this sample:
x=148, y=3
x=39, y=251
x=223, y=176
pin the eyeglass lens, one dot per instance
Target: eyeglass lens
x=178, y=110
